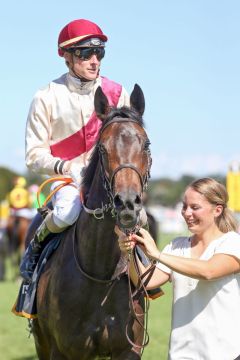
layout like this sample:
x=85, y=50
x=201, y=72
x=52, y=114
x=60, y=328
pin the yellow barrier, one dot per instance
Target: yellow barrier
x=233, y=189
x=4, y=210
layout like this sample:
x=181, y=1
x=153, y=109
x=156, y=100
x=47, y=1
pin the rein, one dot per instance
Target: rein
x=134, y=296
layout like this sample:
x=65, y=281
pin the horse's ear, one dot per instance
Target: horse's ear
x=137, y=100
x=101, y=104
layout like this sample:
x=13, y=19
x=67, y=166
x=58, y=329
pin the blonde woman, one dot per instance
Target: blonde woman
x=205, y=272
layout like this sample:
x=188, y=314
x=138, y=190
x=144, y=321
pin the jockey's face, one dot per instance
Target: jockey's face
x=84, y=68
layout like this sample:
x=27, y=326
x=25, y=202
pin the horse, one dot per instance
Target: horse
x=83, y=297
x=16, y=231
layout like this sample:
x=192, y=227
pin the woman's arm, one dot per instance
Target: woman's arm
x=218, y=266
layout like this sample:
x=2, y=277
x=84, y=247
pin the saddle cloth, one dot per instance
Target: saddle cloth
x=26, y=305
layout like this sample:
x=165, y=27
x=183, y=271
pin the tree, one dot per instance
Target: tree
x=6, y=182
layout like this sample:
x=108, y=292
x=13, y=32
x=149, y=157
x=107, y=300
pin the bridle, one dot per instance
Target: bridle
x=108, y=182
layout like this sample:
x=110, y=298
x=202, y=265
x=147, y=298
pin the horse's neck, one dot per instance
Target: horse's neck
x=97, y=245
x=97, y=242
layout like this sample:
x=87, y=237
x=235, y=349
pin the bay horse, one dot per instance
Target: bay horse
x=82, y=303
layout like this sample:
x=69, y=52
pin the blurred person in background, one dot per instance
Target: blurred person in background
x=19, y=218
x=4, y=216
x=205, y=271
x=19, y=198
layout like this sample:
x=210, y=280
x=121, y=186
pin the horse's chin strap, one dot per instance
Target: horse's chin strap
x=98, y=213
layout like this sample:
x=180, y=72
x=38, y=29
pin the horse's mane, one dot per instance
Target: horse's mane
x=123, y=112
x=90, y=169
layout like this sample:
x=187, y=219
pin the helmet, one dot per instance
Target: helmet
x=76, y=31
x=20, y=182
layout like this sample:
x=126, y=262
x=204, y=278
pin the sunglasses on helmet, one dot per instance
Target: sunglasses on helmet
x=88, y=52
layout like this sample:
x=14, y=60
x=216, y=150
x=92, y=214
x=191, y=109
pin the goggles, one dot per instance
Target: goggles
x=87, y=52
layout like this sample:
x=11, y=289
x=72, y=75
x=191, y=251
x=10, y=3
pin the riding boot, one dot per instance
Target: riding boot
x=33, y=252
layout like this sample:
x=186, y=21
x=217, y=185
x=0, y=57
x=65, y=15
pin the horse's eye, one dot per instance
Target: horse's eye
x=147, y=144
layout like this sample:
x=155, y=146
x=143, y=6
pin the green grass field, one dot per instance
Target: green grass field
x=15, y=344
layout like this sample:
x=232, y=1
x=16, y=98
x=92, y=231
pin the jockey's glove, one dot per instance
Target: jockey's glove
x=75, y=171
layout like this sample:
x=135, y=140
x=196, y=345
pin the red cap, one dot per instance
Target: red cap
x=76, y=31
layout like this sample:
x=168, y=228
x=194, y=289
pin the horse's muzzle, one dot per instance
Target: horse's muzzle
x=128, y=209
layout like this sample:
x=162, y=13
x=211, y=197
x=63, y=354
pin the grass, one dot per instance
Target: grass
x=159, y=326
x=15, y=344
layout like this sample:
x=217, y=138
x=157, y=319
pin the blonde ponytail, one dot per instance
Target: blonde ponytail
x=226, y=221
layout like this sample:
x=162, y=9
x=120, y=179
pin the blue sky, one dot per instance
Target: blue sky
x=185, y=55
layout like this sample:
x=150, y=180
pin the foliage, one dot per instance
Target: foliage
x=7, y=177
x=164, y=191
x=168, y=192
x=6, y=182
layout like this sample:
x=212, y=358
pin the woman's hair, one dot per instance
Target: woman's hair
x=216, y=194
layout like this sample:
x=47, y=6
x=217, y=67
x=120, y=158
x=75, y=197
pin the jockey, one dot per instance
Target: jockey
x=19, y=198
x=62, y=127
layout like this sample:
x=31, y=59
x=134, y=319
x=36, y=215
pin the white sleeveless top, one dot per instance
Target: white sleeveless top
x=205, y=314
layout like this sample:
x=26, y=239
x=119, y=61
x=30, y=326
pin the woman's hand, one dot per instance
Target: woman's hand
x=147, y=244
x=125, y=242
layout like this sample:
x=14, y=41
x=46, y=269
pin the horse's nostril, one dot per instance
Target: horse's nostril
x=138, y=200
x=117, y=201
x=127, y=202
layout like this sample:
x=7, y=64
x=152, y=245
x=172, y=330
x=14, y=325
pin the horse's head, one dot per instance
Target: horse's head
x=124, y=155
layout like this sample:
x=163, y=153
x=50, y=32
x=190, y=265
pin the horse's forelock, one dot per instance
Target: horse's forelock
x=124, y=112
